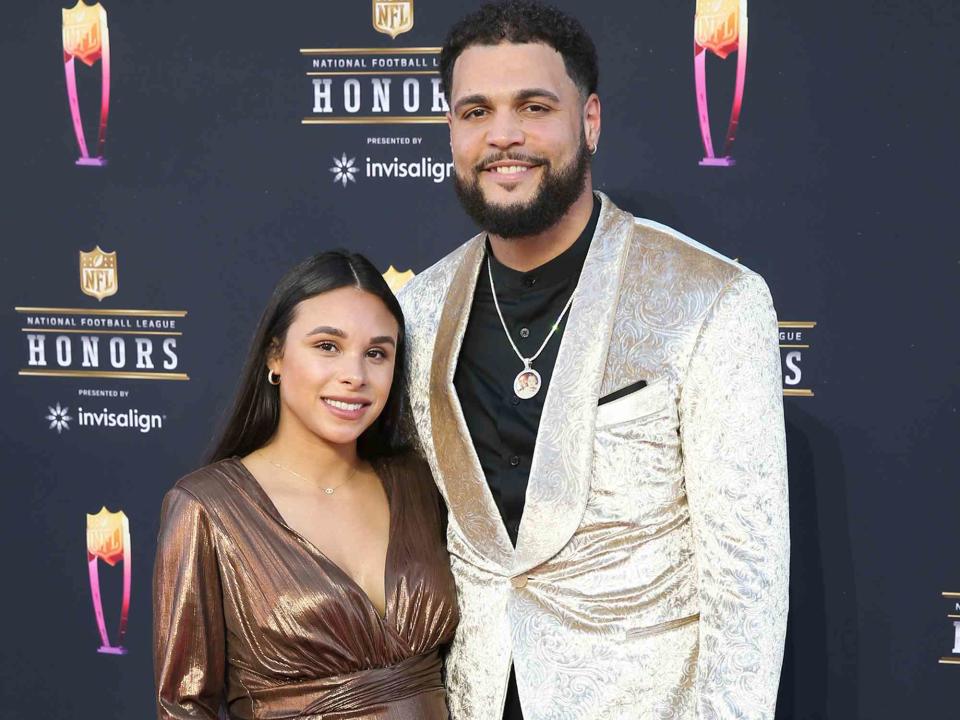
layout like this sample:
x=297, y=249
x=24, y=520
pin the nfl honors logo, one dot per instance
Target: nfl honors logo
x=392, y=17
x=98, y=273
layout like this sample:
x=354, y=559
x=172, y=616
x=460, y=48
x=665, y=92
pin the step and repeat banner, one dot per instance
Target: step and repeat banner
x=165, y=163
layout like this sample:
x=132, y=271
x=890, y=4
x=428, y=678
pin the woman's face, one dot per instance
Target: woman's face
x=336, y=365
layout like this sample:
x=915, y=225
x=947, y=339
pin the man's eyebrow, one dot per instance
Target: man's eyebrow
x=521, y=95
x=475, y=99
x=383, y=340
x=536, y=92
x=327, y=330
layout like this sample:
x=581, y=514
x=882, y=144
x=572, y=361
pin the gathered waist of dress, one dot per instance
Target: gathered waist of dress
x=349, y=693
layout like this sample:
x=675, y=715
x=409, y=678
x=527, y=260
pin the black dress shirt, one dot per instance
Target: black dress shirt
x=502, y=426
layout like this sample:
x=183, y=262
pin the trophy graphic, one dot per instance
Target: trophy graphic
x=954, y=615
x=720, y=27
x=85, y=37
x=108, y=539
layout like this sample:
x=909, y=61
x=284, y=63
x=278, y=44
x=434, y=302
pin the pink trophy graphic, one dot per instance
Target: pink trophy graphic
x=108, y=539
x=85, y=37
x=720, y=27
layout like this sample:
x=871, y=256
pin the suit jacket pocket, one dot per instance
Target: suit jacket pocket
x=640, y=403
x=617, y=394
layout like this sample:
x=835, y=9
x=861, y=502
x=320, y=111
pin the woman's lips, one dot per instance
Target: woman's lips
x=346, y=409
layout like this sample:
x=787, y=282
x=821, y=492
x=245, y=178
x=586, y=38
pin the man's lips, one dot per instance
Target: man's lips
x=510, y=170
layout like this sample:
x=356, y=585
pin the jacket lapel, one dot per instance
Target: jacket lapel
x=471, y=503
x=561, y=467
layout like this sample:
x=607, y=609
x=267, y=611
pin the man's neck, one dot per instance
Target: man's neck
x=530, y=252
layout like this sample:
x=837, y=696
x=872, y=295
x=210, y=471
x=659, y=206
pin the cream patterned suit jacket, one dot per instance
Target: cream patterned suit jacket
x=650, y=574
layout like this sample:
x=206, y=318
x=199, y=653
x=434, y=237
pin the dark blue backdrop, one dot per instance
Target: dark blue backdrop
x=843, y=197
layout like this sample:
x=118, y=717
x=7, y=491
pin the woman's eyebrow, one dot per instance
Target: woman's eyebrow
x=327, y=330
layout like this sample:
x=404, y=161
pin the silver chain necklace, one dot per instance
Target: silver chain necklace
x=326, y=490
x=527, y=382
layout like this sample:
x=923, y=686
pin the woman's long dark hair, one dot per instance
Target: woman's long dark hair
x=253, y=419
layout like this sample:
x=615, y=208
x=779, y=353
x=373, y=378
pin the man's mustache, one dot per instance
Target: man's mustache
x=519, y=157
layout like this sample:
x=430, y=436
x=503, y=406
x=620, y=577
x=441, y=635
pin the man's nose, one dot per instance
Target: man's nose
x=505, y=131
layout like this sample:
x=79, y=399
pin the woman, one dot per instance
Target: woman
x=302, y=573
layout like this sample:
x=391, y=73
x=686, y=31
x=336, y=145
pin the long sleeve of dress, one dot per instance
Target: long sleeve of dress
x=734, y=460
x=188, y=622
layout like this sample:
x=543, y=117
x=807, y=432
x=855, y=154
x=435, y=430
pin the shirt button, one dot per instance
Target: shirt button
x=514, y=400
x=514, y=461
x=519, y=582
x=529, y=281
x=524, y=332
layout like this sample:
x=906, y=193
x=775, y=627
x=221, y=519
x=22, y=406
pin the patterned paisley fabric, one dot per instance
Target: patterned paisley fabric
x=650, y=574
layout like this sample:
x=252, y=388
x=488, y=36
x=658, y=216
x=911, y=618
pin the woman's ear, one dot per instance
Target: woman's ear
x=275, y=357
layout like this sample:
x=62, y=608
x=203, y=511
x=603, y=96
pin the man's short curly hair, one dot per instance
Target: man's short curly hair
x=522, y=21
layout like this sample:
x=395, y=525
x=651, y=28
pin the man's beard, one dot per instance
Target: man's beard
x=558, y=190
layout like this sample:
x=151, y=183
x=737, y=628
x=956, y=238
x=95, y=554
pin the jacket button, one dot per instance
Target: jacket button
x=520, y=581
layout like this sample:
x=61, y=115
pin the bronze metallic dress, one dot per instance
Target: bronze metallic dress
x=250, y=616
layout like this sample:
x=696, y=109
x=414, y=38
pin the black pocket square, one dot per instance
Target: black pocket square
x=632, y=387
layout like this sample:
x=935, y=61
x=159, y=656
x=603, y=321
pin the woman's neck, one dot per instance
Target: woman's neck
x=299, y=449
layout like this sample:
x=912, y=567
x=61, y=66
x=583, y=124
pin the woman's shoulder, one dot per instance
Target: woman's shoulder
x=192, y=508
x=208, y=484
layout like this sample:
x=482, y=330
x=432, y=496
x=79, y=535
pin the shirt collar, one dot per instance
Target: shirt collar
x=561, y=269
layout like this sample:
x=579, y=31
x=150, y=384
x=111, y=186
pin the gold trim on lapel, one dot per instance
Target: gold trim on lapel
x=470, y=500
x=562, y=461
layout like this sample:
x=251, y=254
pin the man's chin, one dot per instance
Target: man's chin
x=506, y=198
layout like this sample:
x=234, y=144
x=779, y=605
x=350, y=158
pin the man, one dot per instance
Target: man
x=599, y=398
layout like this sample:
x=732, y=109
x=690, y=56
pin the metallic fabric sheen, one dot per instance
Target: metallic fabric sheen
x=649, y=578
x=250, y=615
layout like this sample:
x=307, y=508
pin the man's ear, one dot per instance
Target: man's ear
x=591, y=120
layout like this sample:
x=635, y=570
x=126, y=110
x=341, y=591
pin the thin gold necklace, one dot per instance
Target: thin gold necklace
x=326, y=490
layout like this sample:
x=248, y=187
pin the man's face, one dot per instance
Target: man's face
x=518, y=135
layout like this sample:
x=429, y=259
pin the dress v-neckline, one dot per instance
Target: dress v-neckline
x=275, y=513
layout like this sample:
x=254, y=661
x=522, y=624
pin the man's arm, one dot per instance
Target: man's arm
x=735, y=469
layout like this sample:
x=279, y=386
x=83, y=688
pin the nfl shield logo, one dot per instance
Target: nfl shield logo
x=392, y=17
x=717, y=25
x=107, y=535
x=396, y=279
x=98, y=273
x=83, y=32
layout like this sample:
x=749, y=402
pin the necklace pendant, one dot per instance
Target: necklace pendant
x=527, y=383
x=329, y=491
